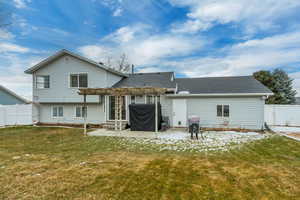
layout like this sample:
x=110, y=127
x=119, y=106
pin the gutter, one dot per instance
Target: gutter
x=219, y=94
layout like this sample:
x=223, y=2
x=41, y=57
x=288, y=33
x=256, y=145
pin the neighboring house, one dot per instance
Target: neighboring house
x=219, y=102
x=8, y=97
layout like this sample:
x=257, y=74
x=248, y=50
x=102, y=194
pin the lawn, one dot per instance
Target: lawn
x=56, y=163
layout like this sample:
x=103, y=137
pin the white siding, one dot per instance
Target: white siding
x=95, y=114
x=245, y=112
x=59, y=72
x=166, y=108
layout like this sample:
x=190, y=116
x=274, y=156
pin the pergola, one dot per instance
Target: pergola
x=118, y=93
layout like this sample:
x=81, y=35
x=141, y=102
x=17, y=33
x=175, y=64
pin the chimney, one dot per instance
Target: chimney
x=132, y=69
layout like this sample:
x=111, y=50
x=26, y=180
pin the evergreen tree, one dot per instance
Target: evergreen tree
x=279, y=83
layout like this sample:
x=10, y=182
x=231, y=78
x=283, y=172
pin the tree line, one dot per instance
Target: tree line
x=279, y=83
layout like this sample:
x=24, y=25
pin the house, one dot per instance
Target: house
x=8, y=97
x=218, y=101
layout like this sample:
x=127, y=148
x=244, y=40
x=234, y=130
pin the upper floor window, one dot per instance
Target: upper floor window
x=223, y=110
x=42, y=82
x=79, y=80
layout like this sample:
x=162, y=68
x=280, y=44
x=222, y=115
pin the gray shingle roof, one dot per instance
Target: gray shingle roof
x=66, y=52
x=213, y=85
x=159, y=79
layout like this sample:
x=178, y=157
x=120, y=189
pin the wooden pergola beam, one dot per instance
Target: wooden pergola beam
x=122, y=91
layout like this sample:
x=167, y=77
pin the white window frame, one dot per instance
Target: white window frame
x=223, y=105
x=81, y=107
x=36, y=82
x=52, y=107
x=78, y=74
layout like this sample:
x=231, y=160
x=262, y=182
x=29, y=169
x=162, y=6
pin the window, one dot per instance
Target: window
x=132, y=98
x=226, y=110
x=79, y=80
x=57, y=111
x=151, y=99
x=80, y=111
x=223, y=110
x=219, y=110
x=42, y=82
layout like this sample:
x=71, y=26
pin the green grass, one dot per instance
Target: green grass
x=55, y=163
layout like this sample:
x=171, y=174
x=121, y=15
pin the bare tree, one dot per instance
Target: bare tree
x=120, y=63
x=123, y=64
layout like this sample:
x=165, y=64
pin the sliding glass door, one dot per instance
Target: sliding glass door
x=111, y=108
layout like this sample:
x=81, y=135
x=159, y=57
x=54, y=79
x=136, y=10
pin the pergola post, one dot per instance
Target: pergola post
x=84, y=114
x=156, y=117
x=120, y=112
x=116, y=112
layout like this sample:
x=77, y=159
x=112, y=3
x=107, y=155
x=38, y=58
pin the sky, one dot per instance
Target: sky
x=193, y=38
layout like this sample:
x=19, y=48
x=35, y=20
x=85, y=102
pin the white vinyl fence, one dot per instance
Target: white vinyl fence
x=282, y=115
x=15, y=115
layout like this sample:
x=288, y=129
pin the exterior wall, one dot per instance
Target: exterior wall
x=8, y=99
x=59, y=72
x=245, y=112
x=95, y=114
x=166, y=108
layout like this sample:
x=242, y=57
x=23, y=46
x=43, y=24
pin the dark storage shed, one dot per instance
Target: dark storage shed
x=142, y=117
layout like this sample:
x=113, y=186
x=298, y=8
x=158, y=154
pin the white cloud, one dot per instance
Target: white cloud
x=96, y=52
x=155, y=48
x=21, y=3
x=12, y=73
x=118, y=12
x=9, y=47
x=4, y=34
x=245, y=58
x=141, y=47
x=124, y=34
x=257, y=15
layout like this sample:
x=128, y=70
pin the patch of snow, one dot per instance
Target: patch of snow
x=286, y=129
x=213, y=141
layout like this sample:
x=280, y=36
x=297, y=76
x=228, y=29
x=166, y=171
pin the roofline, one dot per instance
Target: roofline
x=138, y=73
x=214, y=77
x=64, y=51
x=219, y=94
x=14, y=94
